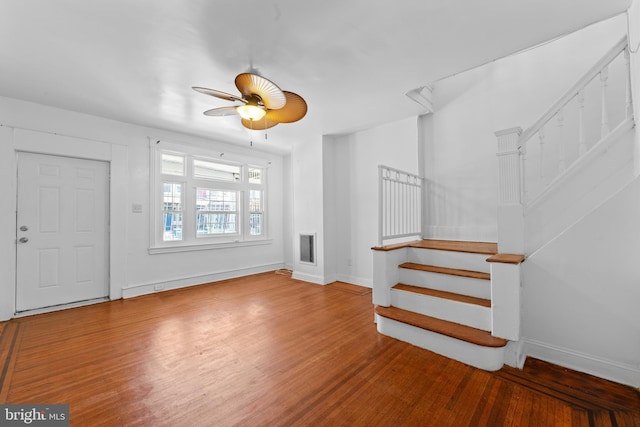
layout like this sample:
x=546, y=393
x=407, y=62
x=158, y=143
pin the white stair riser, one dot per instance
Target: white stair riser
x=461, y=260
x=479, y=288
x=487, y=358
x=453, y=311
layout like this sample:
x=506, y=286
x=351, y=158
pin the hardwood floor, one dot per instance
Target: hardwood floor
x=270, y=350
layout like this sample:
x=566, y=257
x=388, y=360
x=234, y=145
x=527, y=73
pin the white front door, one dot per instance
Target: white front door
x=63, y=226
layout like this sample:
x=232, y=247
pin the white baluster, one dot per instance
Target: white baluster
x=562, y=164
x=582, y=148
x=604, y=129
x=541, y=137
x=523, y=177
x=628, y=105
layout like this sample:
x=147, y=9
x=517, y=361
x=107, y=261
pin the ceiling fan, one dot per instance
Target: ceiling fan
x=263, y=104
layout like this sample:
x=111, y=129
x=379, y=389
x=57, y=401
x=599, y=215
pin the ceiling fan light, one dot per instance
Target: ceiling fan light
x=251, y=112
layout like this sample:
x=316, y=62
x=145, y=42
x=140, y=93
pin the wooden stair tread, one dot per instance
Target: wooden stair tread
x=488, y=248
x=450, y=329
x=446, y=270
x=507, y=258
x=443, y=294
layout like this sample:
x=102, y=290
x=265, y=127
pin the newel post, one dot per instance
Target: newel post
x=510, y=176
x=505, y=266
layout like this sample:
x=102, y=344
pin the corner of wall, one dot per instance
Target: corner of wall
x=514, y=354
x=8, y=219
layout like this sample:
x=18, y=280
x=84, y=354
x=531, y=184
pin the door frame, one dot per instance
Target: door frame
x=14, y=140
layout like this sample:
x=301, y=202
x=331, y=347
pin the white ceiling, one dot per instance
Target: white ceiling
x=353, y=61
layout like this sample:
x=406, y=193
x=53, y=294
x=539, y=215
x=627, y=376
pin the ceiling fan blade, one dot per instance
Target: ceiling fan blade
x=294, y=109
x=222, y=111
x=218, y=94
x=261, y=124
x=252, y=84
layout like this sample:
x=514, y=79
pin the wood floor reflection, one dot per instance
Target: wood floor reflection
x=270, y=350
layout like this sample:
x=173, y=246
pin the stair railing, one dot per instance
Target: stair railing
x=592, y=109
x=399, y=204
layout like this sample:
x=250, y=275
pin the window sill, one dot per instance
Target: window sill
x=208, y=246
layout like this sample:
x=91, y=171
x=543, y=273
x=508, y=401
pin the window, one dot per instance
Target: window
x=172, y=165
x=216, y=212
x=204, y=169
x=255, y=176
x=203, y=200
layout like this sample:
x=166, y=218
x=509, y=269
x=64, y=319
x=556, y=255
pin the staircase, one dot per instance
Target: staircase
x=442, y=300
x=463, y=299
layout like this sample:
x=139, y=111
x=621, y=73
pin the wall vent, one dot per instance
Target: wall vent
x=308, y=248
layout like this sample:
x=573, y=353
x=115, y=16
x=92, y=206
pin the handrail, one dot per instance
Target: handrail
x=573, y=91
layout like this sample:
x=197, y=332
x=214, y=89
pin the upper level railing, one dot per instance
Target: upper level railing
x=399, y=204
x=587, y=113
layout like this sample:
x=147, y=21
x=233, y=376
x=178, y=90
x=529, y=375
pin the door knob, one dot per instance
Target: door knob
x=24, y=228
x=23, y=240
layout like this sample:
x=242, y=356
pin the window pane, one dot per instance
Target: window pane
x=216, y=223
x=211, y=170
x=255, y=212
x=255, y=176
x=255, y=222
x=172, y=198
x=255, y=201
x=172, y=217
x=172, y=226
x=172, y=164
x=216, y=200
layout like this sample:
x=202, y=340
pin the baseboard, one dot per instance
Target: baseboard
x=603, y=368
x=354, y=280
x=325, y=280
x=312, y=278
x=138, y=289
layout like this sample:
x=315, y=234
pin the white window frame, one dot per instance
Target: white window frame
x=190, y=238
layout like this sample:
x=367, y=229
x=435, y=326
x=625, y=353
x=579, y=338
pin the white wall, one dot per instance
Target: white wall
x=287, y=217
x=633, y=22
x=308, y=212
x=335, y=210
x=581, y=293
x=581, y=290
x=127, y=147
x=471, y=106
x=355, y=193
